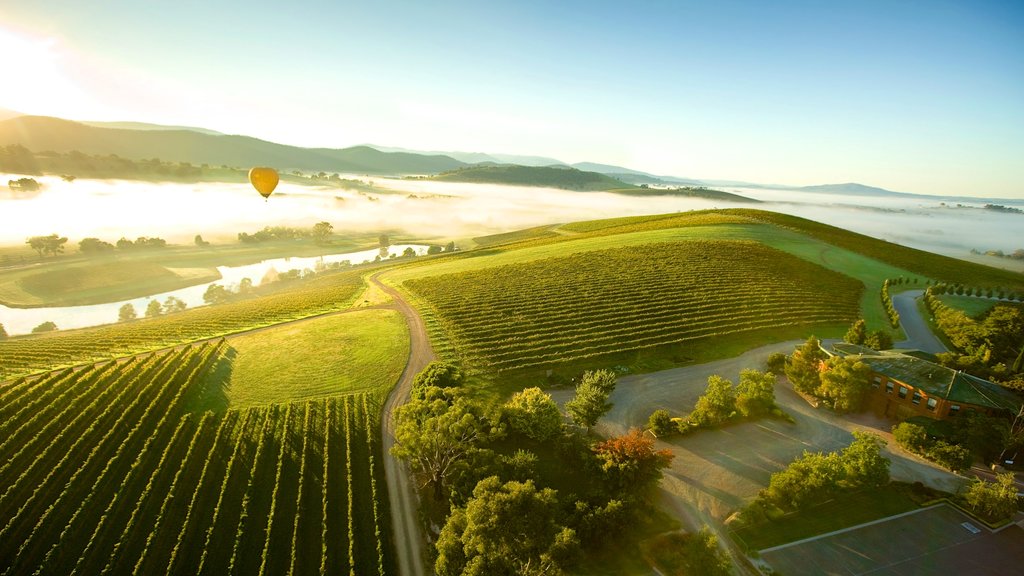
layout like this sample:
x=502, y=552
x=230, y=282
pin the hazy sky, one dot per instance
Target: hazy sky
x=923, y=97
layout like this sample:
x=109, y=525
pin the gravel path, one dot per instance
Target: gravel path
x=401, y=492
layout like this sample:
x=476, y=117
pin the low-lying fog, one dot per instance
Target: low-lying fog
x=110, y=209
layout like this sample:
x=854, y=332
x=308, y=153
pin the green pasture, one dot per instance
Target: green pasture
x=969, y=305
x=359, y=351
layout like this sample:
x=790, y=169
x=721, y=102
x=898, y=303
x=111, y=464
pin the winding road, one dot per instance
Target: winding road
x=919, y=335
x=404, y=504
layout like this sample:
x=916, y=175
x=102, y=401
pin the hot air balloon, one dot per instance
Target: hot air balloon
x=264, y=180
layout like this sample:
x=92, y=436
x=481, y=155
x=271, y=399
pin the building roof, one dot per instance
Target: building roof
x=933, y=379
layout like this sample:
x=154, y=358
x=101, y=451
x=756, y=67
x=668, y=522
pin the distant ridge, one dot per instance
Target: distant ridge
x=564, y=177
x=148, y=126
x=42, y=133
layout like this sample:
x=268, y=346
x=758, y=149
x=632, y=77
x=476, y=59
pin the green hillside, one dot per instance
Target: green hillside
x=545, y=176
x=41, y=134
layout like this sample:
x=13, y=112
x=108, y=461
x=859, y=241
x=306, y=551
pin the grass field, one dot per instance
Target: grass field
x=76, y=279
x=327, y=293
x=969, y=305
x=596, y=303
x=843, y=512
x=360, y=351
x=94, y=281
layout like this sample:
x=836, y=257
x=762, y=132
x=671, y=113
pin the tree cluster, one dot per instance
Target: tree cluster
x=816, y=477
x=482, y=461
x=44, y=245
x=876, y=340
x=990, y=346
x=957, y=443
x=993, y=501
x=24, y=185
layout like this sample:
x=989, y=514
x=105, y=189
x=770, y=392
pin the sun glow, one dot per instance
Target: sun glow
x=34, y=70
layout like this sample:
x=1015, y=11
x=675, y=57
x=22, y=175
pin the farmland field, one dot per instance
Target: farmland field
x=596, y=303
x=29, y=354
x=104, y=470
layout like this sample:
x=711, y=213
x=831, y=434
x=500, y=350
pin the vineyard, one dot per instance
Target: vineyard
x=28, y=354
x=597, y=303
x=104, y=471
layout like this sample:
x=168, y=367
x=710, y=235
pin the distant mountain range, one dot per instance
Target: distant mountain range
x=40, y=133
x=139, y=140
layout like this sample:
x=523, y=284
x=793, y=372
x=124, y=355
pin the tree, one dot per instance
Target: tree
x=863, y=463
x=878, y=340
x=126, y=313
x=590, y=402
x=777, y=363
x=993, y=500
x=857, y=333
x=755, y=394
x=911, y=436
x=245, y=286
x=603, y=379
x=153, y=309
x=434, y=249
x=409, y=252
x=439, y=374
x=701, y=555
x=661, y=424
x=44, y=245
x=630, y=463
x=803, y=368
x=717, y=404
x=216, y=294
x=435, y=432
x=322, y=232
x=384, y=240
x=845, y=382
x=811, y=478
x=44, y=327
x=174, y=304
x=534, y=414
x=450, y=247
x=94, y=246
x=505, y=529
x=3, y=332
x=199, y=241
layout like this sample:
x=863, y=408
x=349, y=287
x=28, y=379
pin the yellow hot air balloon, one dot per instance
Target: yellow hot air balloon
x=264, y=180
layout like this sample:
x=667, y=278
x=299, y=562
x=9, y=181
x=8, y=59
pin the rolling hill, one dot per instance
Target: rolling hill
x=545, y=176
x=40, y=133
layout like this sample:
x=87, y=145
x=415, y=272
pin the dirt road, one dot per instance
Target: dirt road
x=404, y=504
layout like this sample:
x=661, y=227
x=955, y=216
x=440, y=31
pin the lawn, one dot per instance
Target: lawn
x=843, y=512
x=359, y=351
x=970, y=305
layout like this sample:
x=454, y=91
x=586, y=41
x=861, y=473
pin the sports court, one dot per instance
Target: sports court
x=921, y=543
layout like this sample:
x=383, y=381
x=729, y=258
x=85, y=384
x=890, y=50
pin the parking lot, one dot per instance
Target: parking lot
x=922, y=543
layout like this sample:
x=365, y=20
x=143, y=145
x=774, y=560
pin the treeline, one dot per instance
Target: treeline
x=991, y=346
x=1017, y=254
x=890, y=309
x=16, y=159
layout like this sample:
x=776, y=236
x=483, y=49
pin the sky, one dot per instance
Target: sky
x=924, y=97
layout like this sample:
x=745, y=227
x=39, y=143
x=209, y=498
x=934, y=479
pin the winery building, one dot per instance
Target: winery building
x=906, y=384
